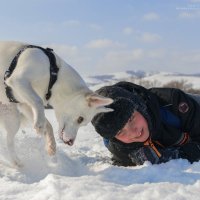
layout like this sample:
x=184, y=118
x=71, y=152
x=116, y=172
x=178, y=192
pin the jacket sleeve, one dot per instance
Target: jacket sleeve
x=123, y=156
x=184, y=107
x=190, y=151
x=132, y=156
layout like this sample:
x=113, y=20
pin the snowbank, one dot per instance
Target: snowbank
x=84, y=172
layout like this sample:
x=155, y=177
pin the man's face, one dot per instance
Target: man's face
x=135, y=130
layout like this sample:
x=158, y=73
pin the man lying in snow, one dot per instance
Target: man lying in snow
x=156, y=125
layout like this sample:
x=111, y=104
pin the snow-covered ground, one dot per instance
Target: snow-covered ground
x=83, y=171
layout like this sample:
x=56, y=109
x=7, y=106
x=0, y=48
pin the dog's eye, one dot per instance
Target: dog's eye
x=80, y=119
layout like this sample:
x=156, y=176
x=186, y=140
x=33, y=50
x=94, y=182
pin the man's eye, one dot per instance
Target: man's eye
x=80, y=120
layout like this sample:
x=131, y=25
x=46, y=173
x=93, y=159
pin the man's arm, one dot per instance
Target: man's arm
x=189, y=151
x=137, y=156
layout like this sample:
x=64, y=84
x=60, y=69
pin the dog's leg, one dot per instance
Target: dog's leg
x=48, y=134
x=25, y=91
x=11, y=124
x=11, y=149
x=49, y=139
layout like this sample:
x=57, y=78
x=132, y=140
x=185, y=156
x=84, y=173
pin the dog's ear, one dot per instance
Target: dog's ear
x=95, y=100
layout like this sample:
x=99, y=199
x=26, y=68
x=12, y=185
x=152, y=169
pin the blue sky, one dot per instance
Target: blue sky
x=105, y=36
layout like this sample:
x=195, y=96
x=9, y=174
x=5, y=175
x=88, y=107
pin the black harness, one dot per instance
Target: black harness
x=53, y=71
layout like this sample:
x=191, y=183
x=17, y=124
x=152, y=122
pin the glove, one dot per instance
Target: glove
x=146, y=153
x=190, y=151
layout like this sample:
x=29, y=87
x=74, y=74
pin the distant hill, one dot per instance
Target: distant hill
x=153, y=79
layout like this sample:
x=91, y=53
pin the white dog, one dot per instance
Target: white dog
x=73, y=102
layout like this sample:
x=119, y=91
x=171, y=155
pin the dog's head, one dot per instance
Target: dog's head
x=77, y=112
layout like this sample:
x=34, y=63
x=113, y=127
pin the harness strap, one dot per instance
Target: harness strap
x=53, y=71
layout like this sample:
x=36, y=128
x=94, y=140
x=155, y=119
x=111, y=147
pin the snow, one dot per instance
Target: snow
x=84, y=171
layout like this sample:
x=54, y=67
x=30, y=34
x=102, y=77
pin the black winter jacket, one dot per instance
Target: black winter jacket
x=175, y=130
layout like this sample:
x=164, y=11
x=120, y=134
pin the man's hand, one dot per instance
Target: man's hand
x=190, y=151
